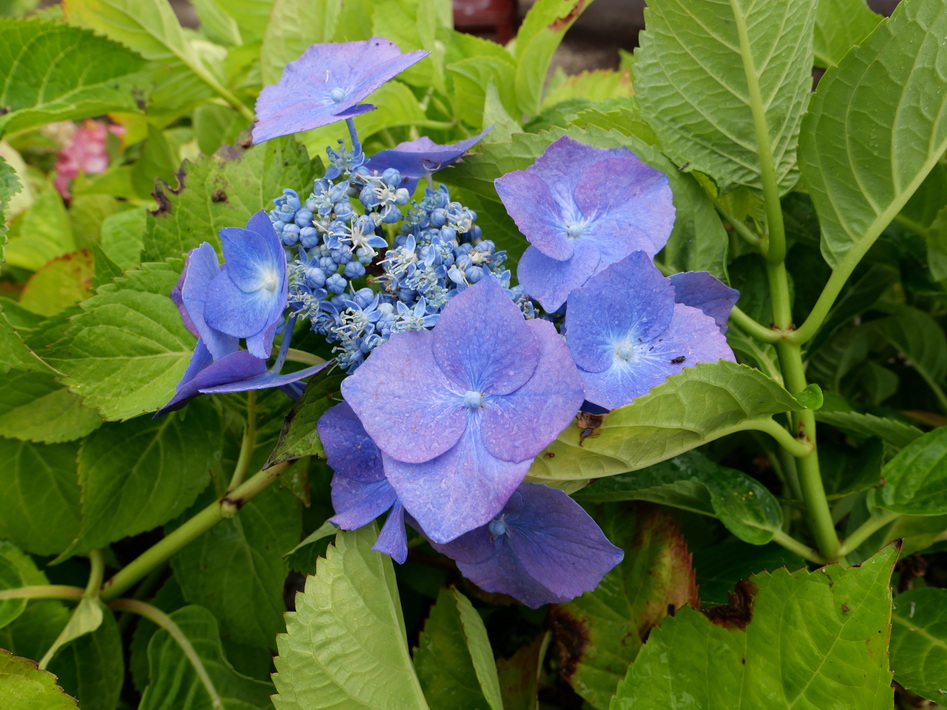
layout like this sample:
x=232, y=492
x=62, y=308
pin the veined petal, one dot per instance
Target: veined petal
x=536, y=211
x=393, y=538
x=254, y=257
x=549, y=281
x=350, y=451
x=357, y=503
x=201, y=269
x=235, y=312
x=702, y=290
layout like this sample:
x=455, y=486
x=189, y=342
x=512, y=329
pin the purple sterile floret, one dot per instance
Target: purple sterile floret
x=203, y=372
x=200, y=269
x=542, y=548
x=582, y=209
x=419, y=158
x=460, y=411
x=326, y=84
x=700, y=289
x=249, y=295
x=628, y=335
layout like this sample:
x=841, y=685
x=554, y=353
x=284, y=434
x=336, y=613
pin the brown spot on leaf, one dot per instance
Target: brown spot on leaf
x=845, y=608
x=564, y=21
x=218, y=195
x=162, y=189
x=738, y=611
x=4, y=110
x=549, y=455
x=572, y=638
x=589, y=424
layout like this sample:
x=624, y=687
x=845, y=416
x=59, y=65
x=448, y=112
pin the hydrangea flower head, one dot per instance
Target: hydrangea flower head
x=582, y=209
x=326, y=84
x=627, y=334
x=459, y=412
x=542, y=549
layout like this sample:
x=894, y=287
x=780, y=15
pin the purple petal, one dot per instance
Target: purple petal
x=357, y=503
x=692, y=337
x=234, y=367
x=201, y=269
x=481, y=341
x=261, y=344
x=519, y=425
x=303, y=98
x=393, y=538
x=264, y=381
x=235, y=312
x=349, y=449
x=549, y=281
x=254, y=256
x=458, y=491
x=178, y=299
x=419, y=158
x=628, y=304
x=405, y=402
x=537, y=211
x=708, y=293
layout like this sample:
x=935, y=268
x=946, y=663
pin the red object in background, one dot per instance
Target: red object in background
x=85, y=152
x=482, y=16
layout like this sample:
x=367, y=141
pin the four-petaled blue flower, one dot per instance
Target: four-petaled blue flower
x=326, y=84
x=582, y=209
x=460, y=411
x=627, y=334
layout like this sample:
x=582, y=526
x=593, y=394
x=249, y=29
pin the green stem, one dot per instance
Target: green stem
x=94, y=585
x=739, y=226
x=866, y=530
x=796, y=447
x=752, y=328
x=793, y=545
x=247, y=444
x=226, y=507
x=303, y=357
x=44, y=591
x=162, y=620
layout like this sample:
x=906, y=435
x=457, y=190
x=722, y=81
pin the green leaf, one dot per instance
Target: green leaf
x=122, y=237
x=236, y=569
x=918, y=642
x=224, y=190
x=43, y=233
x=85, y=619
x=919, y=338
x=470, y=78
x=694, y=482
x=39, y=508
x=62, y=282
x=216, y=24
x=720, y=567
x=293, y=26
x=862, y=426
x=412, y=25
x=139, y=474
x=128, y=348
x=711, y=76
x=23, y=686
x=700, y=404
x=345, y=645
x=915, y=478
x=298, y=436
x=538, y=38
x=10, y=578
x=810, y=397
x=157, y=162
x=806, y=639
x=56, y=73
x=883, y=106
x=600, y=633
x=937, y=246
x=840, y=24
x=34, y=407
x=454, y=661
x=9, y=186
x=174, y=684
x=519, y=675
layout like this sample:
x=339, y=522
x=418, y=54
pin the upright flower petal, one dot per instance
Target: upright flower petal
x=702, y=290
x=201, y=268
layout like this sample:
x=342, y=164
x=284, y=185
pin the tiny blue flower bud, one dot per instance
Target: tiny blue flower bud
x=391, y=177
x=336, y=283
x=354, y=270
x=497, y=527
x=309, y=236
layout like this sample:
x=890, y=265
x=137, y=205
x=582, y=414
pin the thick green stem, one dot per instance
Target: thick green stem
x=226, y=507
x=796, y=447
x=866, y=530
x=96, y=573
x=43, y=591
x=753, y=328
x=793, y=545
x=247, y=444
x=163, y=621
x=740, y=227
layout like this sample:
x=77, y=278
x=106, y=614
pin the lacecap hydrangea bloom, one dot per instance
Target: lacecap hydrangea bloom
x=582, y=209
x=460, y=411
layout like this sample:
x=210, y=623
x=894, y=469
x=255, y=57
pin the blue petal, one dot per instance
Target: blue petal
x=350, y=451
x=264, y=381
x=200, y=270
x=549, y=281
x=702, y=290
x=235, y=312
x=393, y=538
x=254, y=256
x=357, y=503
x=234, y=367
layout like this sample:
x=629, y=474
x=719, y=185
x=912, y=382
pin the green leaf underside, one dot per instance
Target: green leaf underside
x=345, y=645
x=23, y=686
x=700, y=404
x=916, y=479
x=919, y=642
x=919, y=338
x=766, y=652
x=876, y=127
x=125, y=353
x=893, y=431
x=694, y=482
x=52, y=72
x=454, y=661
x=840, y=24
x=695, y=73
x=600, y=633
x=174, y=684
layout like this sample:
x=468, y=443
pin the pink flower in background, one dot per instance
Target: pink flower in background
x=85, y=152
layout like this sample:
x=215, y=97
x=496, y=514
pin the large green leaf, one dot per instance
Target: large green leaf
x=39, y=508
x=919, y=642
x=806, y=639
x=9, y=186
x=43, y=233
x=862, y=426
x=916, y=479
x=10, y=578
x=840, y=24
x=600, y=633
x=720, y=567
x=876, y=127
x=139, y=474
x=128, y=348
x=454, y=661
x=62, y=282
x=413, y=25
x=237, y=568
x=224, y=190
x=293, y=26
x=175, y=685
x=724, y=84
x=23, y=686
x=700, y=404
x=16, y=354
x=920, y=339
x=52, y=72
x=345, y=645
x=34, y=407
x=694, y=482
